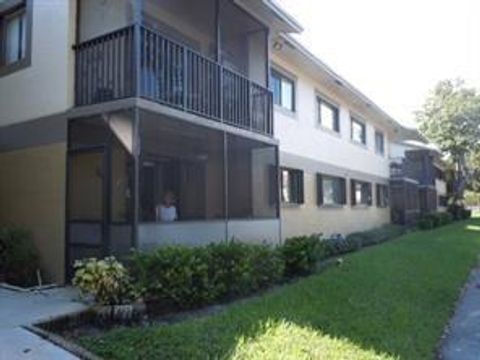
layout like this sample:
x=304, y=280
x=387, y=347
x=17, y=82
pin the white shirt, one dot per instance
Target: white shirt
x=167, y=213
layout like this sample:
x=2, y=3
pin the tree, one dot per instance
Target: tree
x=450, y=118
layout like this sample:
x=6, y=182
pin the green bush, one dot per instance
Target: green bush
x=188, y=277
x=106, y=280
x=301, y=254
x=445, y=218
x=239, y=269
x=466, y=214
x=459, y=212
x=18, y=256
x=426, y=222
x=340, y=245
x=433, y=220
x=177, y=275
x=377, y=235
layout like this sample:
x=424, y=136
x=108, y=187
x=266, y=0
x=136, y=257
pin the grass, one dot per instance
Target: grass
x=387, y=302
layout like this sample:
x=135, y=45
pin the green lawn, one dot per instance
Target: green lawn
x=386, y=302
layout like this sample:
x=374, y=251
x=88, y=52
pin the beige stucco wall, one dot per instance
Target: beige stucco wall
x=46, y=86
x=300, y=133
x=310, y=218
x=316, y=149
x=32, y=194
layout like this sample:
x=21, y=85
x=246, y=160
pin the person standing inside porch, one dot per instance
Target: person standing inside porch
x=166, y=211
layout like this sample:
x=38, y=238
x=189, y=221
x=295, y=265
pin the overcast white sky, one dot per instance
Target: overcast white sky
x=393, y=51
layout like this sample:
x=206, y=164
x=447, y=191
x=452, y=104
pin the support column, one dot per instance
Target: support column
x=136, y=175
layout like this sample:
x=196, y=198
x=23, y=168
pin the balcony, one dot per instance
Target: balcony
x=136, y=61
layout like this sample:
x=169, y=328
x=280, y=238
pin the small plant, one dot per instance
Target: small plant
x=301, y=254
x=174, y=275
x=338, y=244
x=426, y=222
x=18, y=256
x=107, y=280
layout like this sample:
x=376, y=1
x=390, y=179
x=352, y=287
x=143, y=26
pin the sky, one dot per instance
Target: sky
x=394, y=51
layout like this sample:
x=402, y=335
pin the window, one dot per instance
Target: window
x=382, y=196
x=359, y=132
x=328, y=115
x=292, y=186
x=379, y=143
x=13, y=36
x=330, y=190
x=361, y=193
x=283, y=91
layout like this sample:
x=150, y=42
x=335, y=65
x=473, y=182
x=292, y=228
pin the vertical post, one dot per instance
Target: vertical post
x=137, y=41
x=269, y=99
x=278, y=192
x=218, y=58
x=184, y=77
x=107, y=192
x=225, y=182
x=267, y=58
x=136, y=175
x=218, y=34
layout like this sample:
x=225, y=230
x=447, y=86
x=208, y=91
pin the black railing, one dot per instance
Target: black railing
x=171, y=74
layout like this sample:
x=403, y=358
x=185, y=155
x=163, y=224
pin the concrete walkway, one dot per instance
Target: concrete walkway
x=20, y=308
x=463, y=339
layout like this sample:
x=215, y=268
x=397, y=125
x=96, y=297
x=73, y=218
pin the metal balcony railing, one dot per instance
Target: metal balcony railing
x=108, y=68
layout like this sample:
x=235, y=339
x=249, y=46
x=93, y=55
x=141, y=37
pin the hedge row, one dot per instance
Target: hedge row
x=188, y=277
x=434, y=220
x=192, y=276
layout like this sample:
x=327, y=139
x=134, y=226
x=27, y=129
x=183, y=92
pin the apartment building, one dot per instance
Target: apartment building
x=113, y=111
x=334, y=147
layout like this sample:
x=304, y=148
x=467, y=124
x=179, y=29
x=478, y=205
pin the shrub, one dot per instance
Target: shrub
x=377, y=235
x=425, y=222
x=18, y=256
x=301, y=254
x=340, y=245
x=445, y=218
x=188, y=277
x=433, y=220
x=466, y=214
x=106, y=280
x=459, y=212
x=177, y=275
x=238, y=268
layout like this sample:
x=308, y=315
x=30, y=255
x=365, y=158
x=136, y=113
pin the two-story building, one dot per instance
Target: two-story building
x=334, y=147
x=112, y=112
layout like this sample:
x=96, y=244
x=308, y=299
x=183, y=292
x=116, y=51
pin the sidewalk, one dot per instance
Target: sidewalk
x=463, y=340
x=18, y=309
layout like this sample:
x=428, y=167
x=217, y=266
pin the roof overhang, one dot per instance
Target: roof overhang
x=291, y=50
x=272, y=15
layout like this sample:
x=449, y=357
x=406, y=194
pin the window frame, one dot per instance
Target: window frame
x=282, y=76
x=356, y=120
x=382, y=134
x=320, y=193
x=382, y=203
x=363, y=203
x=295, y=198
x=321, y=101
x=8, y=10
